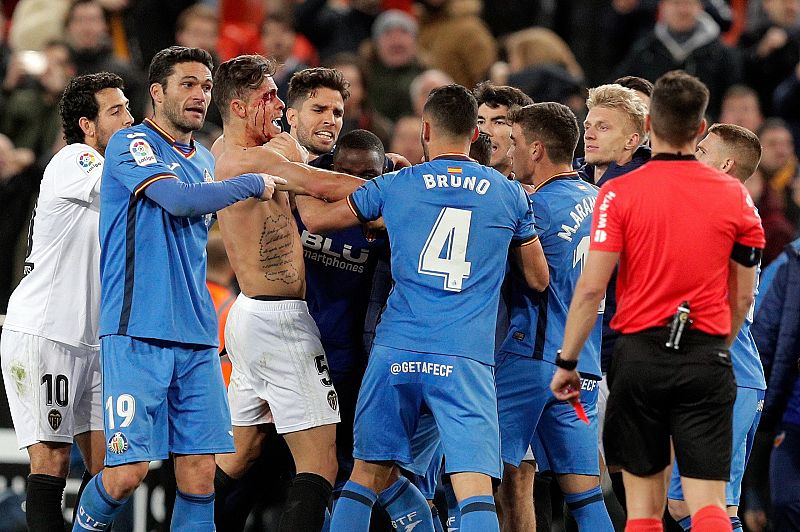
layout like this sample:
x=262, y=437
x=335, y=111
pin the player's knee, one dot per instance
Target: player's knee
x=122, y=481
x=49, y=458
x=677, y=509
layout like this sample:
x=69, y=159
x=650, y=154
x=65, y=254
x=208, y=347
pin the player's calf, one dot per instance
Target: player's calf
x=45, y=487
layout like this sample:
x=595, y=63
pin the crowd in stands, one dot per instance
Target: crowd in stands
x=393, y=53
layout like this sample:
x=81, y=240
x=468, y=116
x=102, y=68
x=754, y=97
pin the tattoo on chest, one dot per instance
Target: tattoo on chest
x=276, y=248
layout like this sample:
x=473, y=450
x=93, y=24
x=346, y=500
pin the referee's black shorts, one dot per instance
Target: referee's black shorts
x=657, y=392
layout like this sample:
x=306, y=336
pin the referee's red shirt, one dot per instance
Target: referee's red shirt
x=674, y=221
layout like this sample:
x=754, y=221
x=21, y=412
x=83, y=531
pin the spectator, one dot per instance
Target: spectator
x=198, y=27
x=358, y=113
x=740, y=106
x=772, y=49
x=422, y=86
x=785, y=99
x=779, y=164
x=685, y=38
x=37, y=22
x=393, y=63
x=19, y=182
x=88, y=36
x=278, y=38
x=543, y=66
x=455, y=40
x=405, y=138
x=36, y=81
x=334, y=30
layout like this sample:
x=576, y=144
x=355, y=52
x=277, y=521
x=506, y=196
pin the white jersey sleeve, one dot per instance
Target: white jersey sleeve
x=82, y=182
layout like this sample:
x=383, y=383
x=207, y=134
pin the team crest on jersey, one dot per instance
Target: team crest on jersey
x=118, y=443
x=54, y=419
x=207, y=177
x=88, y=162
x=332, y=399
x=142, y=152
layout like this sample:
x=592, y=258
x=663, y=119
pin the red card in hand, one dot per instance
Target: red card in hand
x=576, y=404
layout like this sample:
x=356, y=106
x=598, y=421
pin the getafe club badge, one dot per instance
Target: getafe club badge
x=118, y=443
x=54, y=418
x=332, y=399
x=207, y=177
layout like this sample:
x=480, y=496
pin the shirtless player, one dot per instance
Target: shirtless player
x=280, y=372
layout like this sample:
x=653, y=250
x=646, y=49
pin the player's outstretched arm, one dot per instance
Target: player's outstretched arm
x=182, y=199
x=321, y=217
x=530, y=259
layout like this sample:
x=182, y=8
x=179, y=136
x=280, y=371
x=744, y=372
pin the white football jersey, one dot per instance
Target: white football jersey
x=59, y=296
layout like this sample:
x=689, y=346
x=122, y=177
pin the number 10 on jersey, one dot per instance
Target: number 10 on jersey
x=450, y=234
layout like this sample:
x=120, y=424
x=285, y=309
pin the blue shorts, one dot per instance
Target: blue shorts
x=427, y=451
x=160, y=398
x=746, y=415
x=399, y=386
x=530, y=415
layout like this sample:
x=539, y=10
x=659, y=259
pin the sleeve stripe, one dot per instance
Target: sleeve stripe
x=355, y=210
x=526, y=242
x=150, y=180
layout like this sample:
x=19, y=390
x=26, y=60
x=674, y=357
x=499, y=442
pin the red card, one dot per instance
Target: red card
x=576, y=404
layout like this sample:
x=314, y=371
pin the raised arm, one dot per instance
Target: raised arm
x=321, y=217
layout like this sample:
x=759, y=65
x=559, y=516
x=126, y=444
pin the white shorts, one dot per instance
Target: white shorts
x=279, y=370
x=602, y=400
x=53, y=389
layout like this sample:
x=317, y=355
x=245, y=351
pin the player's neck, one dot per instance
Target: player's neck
x=660, y=147
x=237, y=136
x=445, y=146
x=547, y=170
x=169, y=128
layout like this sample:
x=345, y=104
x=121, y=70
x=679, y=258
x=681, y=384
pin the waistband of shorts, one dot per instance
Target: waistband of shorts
x=252, y=303
x=689, y=336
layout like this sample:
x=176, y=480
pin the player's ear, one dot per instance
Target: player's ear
x=426, y=131
x=647, y=123
x=291, y=116
x=87, y=126
x=633, y=141
x=475, y=134
x=157, y=92
x=728, y=165
x=238, y=108
x=702, y=128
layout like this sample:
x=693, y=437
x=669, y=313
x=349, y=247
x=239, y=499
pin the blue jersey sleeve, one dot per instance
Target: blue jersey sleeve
x=132, y=160
x=367, y=201
x=525, y=230
x=182, y=199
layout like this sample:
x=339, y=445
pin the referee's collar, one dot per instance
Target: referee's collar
x=673, y=157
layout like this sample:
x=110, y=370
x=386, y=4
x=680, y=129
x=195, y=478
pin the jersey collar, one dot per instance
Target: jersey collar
x=673, y=157
x=177, y=146
x=455, y=156
x=562, y=175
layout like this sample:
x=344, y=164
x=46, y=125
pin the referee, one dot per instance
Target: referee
x=687, y=239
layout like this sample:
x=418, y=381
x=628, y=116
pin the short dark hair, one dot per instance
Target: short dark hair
x=359, y=139
x=741, y=142
x=452, y=109
x=636, y=83
x=481, y=149
x=305, y=83
x=553, y=124
x=163, y=64
x=79, y=100
x=496, y=95
x=236, y=77
x=677, y=107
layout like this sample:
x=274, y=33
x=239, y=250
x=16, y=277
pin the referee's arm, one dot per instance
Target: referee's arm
x=741, y=280
x=589, y=292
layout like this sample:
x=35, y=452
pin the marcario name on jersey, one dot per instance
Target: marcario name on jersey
x=318, y=248
x=579, y=213
x=456, y=180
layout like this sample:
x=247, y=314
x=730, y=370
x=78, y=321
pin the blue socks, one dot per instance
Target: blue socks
x=193, y=512
x=685, y=523
x=453, y=514
x=589, y=510
x=736, y=524
x=97, y=508
x=478, y=514
x=353, y=509
x=406, y=506
x=437, y=522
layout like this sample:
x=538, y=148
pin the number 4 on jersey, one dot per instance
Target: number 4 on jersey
x=449, y=237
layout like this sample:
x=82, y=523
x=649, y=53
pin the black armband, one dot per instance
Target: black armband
x=745, y=255
x=568, y=365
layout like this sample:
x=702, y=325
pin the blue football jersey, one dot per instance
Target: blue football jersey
x=450, y=223
x=153, y=264
x=747, y=366
x=563, y=207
